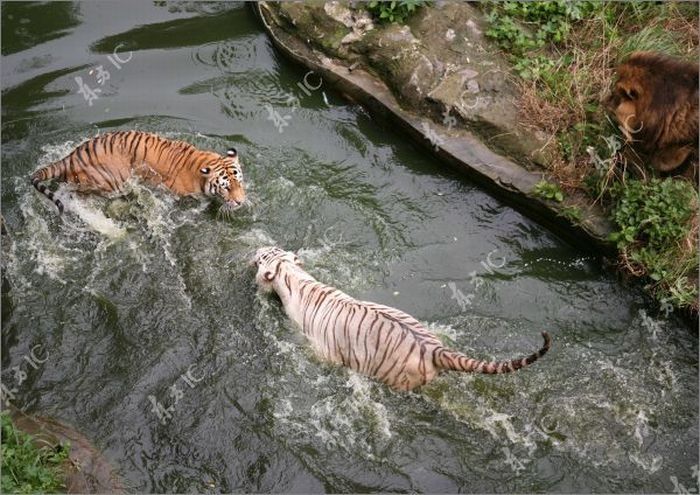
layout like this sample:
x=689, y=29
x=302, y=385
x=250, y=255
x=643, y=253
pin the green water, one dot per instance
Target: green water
x=123, y=296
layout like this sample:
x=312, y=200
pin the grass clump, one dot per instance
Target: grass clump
x=27, y=468
x=393, y=11
x=657, y=235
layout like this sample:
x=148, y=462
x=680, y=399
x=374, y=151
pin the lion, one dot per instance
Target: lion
x=655, y=101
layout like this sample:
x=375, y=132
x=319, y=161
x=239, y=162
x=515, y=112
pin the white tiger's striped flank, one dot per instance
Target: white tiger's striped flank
x=375, y=340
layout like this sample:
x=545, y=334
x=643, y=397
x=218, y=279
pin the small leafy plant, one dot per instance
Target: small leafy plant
x=572, y=213
x=27, y=468
x=657, y=236
x=393, y=11
x=548, y=190
x=522, y=26
x=656, y=212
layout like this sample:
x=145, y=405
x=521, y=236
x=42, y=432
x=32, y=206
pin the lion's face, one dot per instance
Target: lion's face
x=629, y=101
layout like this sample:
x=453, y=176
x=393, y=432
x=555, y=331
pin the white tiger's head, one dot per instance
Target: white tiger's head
x=269, y=262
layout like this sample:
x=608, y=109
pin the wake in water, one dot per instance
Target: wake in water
x=77, y=247
x=84, y=208
x=613, y=411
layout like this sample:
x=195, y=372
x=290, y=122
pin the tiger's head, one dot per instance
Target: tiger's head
x=269, y=261
x=223, y=178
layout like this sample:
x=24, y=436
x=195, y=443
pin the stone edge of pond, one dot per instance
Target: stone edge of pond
x=504, y=179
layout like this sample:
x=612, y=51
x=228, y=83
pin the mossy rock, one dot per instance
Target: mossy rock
x=311, y=22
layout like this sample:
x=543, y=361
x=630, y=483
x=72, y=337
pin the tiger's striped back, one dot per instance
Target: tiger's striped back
x=372, y=339
x=104, y=163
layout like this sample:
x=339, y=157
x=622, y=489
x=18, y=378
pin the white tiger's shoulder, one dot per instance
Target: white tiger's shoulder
x=405, y=320
x=393, y=312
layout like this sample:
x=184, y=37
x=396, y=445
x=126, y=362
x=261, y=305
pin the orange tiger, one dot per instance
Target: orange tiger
x=104, y=163
x=379, y=341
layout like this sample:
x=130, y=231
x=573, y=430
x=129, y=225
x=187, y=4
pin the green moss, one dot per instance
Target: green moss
x=311, y=22
x=572, y=213
x=519, y=27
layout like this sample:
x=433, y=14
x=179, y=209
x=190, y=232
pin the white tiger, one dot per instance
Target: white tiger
x=375, y=340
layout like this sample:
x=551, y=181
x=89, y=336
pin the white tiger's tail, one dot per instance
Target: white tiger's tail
x=453, y=360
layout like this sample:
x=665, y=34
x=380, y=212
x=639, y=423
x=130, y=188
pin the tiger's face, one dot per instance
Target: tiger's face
x=269, y=261
x=224, y=179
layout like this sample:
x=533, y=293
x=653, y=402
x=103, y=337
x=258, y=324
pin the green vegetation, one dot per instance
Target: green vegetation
x=572, y=213
x=393, y=11
x=548, y=190
x=656, y=235
x=524, y=26
x=565, y=54
x=26, y=468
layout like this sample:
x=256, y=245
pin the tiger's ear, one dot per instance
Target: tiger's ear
x=232, y=152
x=204, y=170
x=298, y=261
x=269, y=276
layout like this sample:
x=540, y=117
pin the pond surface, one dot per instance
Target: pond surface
x=146, y=301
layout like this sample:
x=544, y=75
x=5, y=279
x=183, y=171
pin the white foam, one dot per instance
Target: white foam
x=58, y=248
x=91, y=216
x=651, y=464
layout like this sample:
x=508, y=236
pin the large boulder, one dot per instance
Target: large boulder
x=439, y=65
